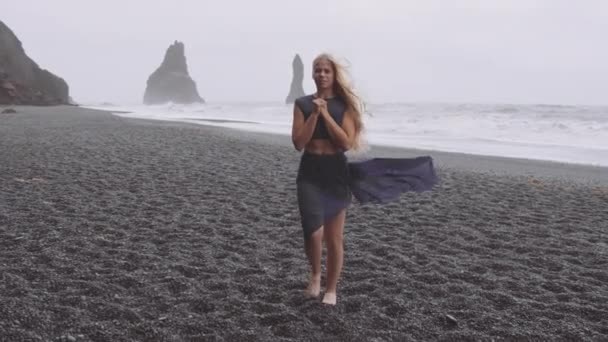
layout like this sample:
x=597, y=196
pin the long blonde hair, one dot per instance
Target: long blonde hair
x=344, y=89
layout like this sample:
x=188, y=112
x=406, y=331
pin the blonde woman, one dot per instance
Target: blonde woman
x=326, y=124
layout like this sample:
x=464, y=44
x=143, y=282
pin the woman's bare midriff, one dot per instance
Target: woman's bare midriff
x=321, y=146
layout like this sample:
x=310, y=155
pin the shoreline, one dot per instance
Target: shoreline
x=499, y=165
x=571, y=155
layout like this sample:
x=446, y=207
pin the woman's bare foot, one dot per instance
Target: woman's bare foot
x=314, y=287
x=329, y=298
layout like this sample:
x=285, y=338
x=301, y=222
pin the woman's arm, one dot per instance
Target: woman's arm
x=302, y=130
x=344, y=136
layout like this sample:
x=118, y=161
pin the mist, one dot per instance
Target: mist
x=515, y=51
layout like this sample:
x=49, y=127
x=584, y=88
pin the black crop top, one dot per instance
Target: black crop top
x=335, y=106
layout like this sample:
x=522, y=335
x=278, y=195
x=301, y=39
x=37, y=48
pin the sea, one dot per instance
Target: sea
x=570, y=134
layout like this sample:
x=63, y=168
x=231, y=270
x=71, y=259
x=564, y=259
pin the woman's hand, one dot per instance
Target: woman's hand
x=320, y=106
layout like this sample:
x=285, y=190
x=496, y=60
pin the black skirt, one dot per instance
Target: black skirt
x=323, y=189
x=326, y=184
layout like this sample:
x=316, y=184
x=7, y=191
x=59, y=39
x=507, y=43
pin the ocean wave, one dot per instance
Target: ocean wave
x=561, y=133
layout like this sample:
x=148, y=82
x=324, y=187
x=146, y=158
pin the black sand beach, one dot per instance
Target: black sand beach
x=115, y=229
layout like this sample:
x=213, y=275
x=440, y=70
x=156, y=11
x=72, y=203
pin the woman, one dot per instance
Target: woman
x=325, y=125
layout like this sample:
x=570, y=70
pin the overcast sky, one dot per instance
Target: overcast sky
x=506, y=51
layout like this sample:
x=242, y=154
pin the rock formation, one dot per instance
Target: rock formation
x=296, y=90
x=171, y=82
x=22, y=81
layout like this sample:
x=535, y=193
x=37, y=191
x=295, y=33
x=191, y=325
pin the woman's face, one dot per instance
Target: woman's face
x=323, y=74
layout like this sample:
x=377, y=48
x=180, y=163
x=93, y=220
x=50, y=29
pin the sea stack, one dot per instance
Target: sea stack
x=22, y=81
x=171, y=81
x=296, y=90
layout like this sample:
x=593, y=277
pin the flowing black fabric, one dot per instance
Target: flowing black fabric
x=327, y=183
x=381, y=180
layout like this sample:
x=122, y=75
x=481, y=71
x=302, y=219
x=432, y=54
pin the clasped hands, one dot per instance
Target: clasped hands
x=320, y=107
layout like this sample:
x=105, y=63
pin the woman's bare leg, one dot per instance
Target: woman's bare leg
x=314, y=250
x=335, y=255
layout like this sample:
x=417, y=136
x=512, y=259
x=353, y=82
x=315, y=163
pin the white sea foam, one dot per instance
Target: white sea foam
x=574, y=134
